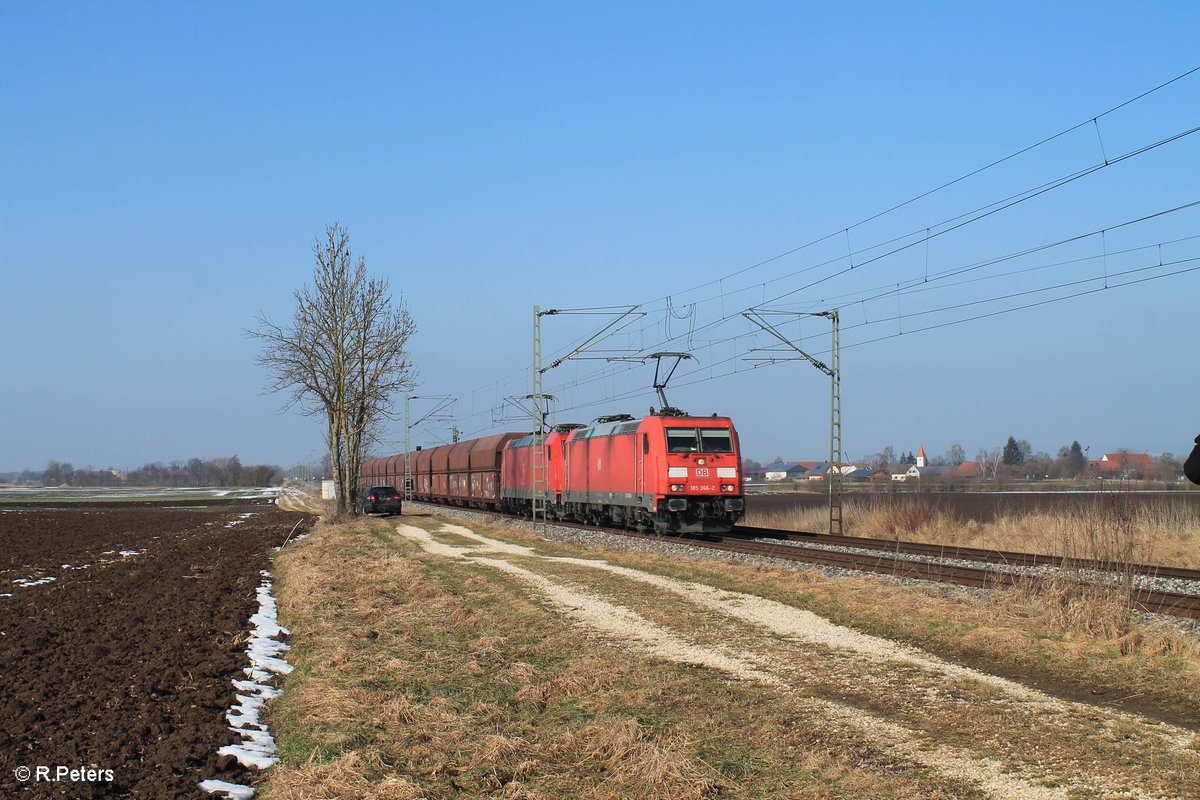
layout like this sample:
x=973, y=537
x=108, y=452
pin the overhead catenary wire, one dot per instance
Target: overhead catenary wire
x=929, y=231
x=947, y=184
x=933, y=283
x=1092, y=120
x=945, y=226
x=646, y=392
x=960, y=221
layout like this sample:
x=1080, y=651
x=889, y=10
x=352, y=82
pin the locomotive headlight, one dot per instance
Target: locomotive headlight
x=726, y=487
x=676, y=487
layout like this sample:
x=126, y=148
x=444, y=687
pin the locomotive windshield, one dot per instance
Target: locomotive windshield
x=706, y=440
x=716, y=440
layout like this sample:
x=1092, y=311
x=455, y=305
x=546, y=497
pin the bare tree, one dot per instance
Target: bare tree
x=344, y=357
x=987, y=463
x=57, y=474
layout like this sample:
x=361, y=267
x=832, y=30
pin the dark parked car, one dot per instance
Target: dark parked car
x=379, y=499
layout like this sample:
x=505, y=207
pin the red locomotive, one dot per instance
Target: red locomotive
x=665, y=472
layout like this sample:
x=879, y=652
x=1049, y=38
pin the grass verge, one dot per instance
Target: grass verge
x=1030, y=635
x=1110, y=530
x=421, y=676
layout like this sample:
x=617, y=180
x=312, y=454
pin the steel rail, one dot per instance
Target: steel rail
x=1008, y=557
x=884, y=561
x=879, y=562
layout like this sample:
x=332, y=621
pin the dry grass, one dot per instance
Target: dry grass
x=634, y=761
x=1160, y=533
x=1088, y=648
x=418, y=676
x=1110, y=530
x=349, y=776
x=1098, y=604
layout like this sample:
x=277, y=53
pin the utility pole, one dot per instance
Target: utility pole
x=834, y=371
x=835, y=424
x=538, y=402
x=408, y=481
x=539, y=397
x=408, y=426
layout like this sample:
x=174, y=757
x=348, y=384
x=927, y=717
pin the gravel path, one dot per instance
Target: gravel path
x=778, y=646
x=678, y=549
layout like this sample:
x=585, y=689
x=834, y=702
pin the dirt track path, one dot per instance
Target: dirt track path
x=1007, y=739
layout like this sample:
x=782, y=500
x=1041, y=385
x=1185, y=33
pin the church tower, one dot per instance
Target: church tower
x=921, y=462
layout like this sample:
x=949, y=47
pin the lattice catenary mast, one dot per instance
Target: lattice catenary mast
x=834, y=371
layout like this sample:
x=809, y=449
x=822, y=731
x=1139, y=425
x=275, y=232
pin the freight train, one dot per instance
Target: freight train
x=664, y=472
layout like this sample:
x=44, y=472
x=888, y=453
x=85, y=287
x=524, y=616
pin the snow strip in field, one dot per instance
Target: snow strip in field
x=25, y=583
x=266, y=662
x=121, y=553
x=234, y=791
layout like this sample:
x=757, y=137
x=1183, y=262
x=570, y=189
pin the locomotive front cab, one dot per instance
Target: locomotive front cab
x=701, y=488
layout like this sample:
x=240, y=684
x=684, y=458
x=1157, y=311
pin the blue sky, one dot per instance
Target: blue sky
x=167, y=167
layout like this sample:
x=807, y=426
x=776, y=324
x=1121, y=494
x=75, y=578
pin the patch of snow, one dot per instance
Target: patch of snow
x=233, y=791
x=243, y=715
x=182, y=494
x=248, y=756
x=266, y=663
x=269, y=692
x=25, y=583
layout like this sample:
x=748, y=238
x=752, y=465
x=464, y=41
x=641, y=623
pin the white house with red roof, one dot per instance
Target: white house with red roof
x=1118, y=465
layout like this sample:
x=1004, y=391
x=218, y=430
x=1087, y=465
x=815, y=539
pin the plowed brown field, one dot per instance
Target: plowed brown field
x=123, y=661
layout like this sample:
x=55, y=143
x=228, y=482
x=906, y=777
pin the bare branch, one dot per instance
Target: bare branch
x=344, y=356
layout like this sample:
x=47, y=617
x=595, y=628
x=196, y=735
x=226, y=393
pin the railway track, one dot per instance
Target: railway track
x=887, y=562
x=886, y=557
x=1006, y=557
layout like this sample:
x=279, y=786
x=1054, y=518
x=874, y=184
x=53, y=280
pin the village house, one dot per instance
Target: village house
x=923, y=470
x=864, y=474
x=788, y=470
x=796, y=471
x=753, y=474
x=1123, y=465
x=821, y=471
x=905, y=471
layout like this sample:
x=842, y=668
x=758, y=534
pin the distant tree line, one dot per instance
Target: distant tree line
x=1016, y=460
x=223, y=471
x=21, y=476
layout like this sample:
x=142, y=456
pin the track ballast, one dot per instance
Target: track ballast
x=901, y=559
